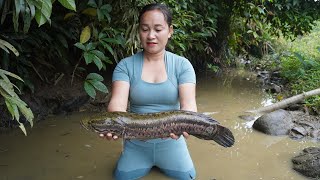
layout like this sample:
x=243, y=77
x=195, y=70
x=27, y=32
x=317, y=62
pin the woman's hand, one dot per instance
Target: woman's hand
x=108, y=136
x=173, y=136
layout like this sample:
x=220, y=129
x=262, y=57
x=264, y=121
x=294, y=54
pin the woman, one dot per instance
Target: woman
x=154, y=80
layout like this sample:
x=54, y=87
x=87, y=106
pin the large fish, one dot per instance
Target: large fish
x=159, y=125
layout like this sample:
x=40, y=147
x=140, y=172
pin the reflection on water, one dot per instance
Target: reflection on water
x=59, y=149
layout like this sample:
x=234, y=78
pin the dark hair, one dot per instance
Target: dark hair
x=157, y=6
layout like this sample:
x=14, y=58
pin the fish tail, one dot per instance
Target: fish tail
x=224, y=137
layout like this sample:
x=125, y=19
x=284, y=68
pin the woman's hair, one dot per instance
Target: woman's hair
x=156, y=6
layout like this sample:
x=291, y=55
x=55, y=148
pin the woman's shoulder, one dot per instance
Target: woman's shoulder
x=130, y=59
x=175, y=57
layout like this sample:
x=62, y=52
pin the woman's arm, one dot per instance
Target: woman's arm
x=118, y=101
x=187, y=96
x=119, y=96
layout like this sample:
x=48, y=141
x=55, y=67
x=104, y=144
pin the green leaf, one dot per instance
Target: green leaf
x=89, y=89
x=23, y=129
x=106, y=7
x=26, y=20
x=4, y=48
x=88, y=57
x=80, y=46
x=109, y=48
x=99, y=86
x=100, y=14
x=111, y=40
x=43, y=12
x=4, y=72
x=10, y=108
x=90, y=46
x=32, y=8
x=7, y=87
x=94, y=76
x=97, y=61
x=9, y=46
x=16, y=112
x=261, y=11
x=99, y=54
x=27, y=113
x=85, y=35
x=69, y=4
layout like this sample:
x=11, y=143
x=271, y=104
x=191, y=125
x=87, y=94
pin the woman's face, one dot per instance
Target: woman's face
x=154, y=31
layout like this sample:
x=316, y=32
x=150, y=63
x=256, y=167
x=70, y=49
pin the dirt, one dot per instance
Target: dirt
x=57, y=97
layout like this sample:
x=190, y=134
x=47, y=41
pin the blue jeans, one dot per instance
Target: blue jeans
x=171, y=156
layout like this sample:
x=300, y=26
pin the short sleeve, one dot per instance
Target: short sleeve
x=121, y=72
x=187, y=74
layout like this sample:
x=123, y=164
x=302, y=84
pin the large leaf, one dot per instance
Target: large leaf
x=27, y=19
x=89, y=57
x=13, y=109
x=23, y=129
x=9, y=46
x=7, y=87
x=85, y=34
x=80, y=46
x=94, y=76
x=98, y=62
x=43, y=12
x=106, y=45
x=4, y=72
x=99, y=86
x=99, y=54
x=27, y=113
x=70, y=4
x=89, y=89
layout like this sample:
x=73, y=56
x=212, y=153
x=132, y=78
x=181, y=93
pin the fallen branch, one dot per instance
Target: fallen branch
x=286, y=102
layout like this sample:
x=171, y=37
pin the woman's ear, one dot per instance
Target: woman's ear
x=170, y=31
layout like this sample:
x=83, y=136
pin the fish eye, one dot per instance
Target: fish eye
x=209, y=130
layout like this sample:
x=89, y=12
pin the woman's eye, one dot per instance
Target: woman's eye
x=158, y=30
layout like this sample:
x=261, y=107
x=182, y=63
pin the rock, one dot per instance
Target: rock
x=278, y=122
x=308, y=162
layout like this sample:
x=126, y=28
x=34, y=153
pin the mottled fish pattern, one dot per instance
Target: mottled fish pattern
x=159, y=125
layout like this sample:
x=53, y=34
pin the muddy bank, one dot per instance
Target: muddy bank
x=55, y=99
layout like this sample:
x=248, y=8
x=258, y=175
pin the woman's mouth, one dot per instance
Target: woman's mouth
x=151, y=43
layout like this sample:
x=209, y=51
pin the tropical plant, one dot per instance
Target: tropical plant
x=28, y=10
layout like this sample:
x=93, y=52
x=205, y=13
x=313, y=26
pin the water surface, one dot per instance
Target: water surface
x=59, y=149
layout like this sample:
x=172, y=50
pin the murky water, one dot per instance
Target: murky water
x=59, y=149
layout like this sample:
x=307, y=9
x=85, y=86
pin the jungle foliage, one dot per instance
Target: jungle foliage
x=42, y=39
x=300, y=65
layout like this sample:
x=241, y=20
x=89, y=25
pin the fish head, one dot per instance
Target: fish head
x=209, y=130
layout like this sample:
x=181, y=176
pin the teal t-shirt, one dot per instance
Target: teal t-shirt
x=145, y=97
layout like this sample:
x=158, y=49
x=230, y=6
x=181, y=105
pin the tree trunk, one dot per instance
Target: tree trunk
x=286, y=102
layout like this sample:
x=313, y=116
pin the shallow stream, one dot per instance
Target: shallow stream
x=58, y=148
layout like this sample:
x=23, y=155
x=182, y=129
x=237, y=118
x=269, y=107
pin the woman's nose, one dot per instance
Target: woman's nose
x=151, y=34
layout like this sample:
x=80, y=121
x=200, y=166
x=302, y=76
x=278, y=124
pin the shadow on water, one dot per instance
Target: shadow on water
x=59, y=148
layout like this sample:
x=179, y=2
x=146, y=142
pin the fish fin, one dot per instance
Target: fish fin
x=204, y=116
x=224, y=137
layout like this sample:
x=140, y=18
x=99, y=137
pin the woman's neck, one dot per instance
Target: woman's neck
x=154, y=57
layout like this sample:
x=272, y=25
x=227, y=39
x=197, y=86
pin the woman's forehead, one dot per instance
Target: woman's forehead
x=153, y=16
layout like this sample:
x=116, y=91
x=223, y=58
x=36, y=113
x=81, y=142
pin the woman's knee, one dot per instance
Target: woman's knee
x=188, y=175
x=130, y=175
